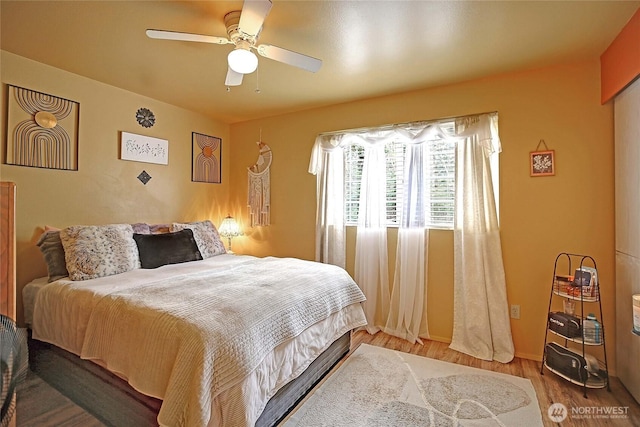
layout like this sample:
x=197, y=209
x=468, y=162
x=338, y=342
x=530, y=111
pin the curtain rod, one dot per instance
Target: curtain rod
x=391, y=126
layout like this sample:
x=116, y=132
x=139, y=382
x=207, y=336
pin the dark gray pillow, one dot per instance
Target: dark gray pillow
x=51, y=247
x=157, y=250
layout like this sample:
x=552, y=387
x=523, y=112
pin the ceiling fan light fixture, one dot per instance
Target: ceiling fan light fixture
x=242, y=60
x=243, y=28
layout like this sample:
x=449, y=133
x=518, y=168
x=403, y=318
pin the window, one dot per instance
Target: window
x=354, y=161
x=441, y=178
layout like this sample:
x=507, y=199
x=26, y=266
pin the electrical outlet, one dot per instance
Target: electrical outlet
x=515, y=311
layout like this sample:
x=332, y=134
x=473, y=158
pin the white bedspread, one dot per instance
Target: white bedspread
x=191, y=333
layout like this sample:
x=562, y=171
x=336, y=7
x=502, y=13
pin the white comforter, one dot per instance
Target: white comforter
x=199, y=334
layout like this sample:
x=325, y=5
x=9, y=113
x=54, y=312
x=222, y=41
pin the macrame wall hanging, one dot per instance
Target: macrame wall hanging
x=259, y=194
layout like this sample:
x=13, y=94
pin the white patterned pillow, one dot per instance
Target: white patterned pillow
x=93, y=251
x=206, y=235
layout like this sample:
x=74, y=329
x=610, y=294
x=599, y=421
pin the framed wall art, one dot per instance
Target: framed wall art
x=147, y=149
x=542, y=163
x=206, y=158
x=42, y=130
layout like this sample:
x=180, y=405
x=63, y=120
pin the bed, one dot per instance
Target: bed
x=219, y=340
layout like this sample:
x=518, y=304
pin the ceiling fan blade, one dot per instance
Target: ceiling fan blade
x=187, y=37
x=233, y=78
x=252, y=17
x=290, y=57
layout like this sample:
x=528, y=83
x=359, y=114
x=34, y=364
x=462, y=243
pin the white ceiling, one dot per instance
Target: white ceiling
x=368, y=48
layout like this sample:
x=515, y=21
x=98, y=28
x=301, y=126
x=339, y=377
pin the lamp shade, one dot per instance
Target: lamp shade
x=229, y=228
x=242, y=60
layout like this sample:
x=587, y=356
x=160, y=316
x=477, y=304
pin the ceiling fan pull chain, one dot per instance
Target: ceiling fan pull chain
x=258, y=79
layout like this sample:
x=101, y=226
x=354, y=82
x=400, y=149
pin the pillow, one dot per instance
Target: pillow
x=157, y=250
x=51, y=247
x=159, y=228
x=93, y=251
x=141, y=228
x=206, y=236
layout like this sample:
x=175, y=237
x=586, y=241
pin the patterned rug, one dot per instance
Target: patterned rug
x=381, y=387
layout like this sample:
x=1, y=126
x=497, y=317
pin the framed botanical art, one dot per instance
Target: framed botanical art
x=542, y=163
x=42, y=130
x=206, y=158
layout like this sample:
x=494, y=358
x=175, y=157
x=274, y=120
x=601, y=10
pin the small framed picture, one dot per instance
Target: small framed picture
x=206, y=158
x=543, y=163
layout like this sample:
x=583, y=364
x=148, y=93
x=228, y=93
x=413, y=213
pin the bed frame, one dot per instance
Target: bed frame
x=115, y=403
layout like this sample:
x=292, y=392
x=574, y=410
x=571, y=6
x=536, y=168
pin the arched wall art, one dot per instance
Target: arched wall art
x=42, y=130
x=206, y=159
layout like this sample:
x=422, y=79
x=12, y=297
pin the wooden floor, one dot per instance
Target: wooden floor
x=40, y=405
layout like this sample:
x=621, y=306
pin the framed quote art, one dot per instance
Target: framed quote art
x=141, y=148
x=206, y=158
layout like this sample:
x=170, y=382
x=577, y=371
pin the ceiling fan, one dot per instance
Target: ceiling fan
x=243, y=28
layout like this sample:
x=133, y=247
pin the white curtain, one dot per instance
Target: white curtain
x=372, y=263
x=409, y=284
x=327, y=163
x=401, y=314
x=407, y=316
x=481, y=325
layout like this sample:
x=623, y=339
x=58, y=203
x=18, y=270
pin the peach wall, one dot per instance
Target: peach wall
x=540, y=217
x=620, y=63
x=571, y=211
x=105, y=189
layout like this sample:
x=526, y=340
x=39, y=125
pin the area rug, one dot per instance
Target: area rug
x=380, y=387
